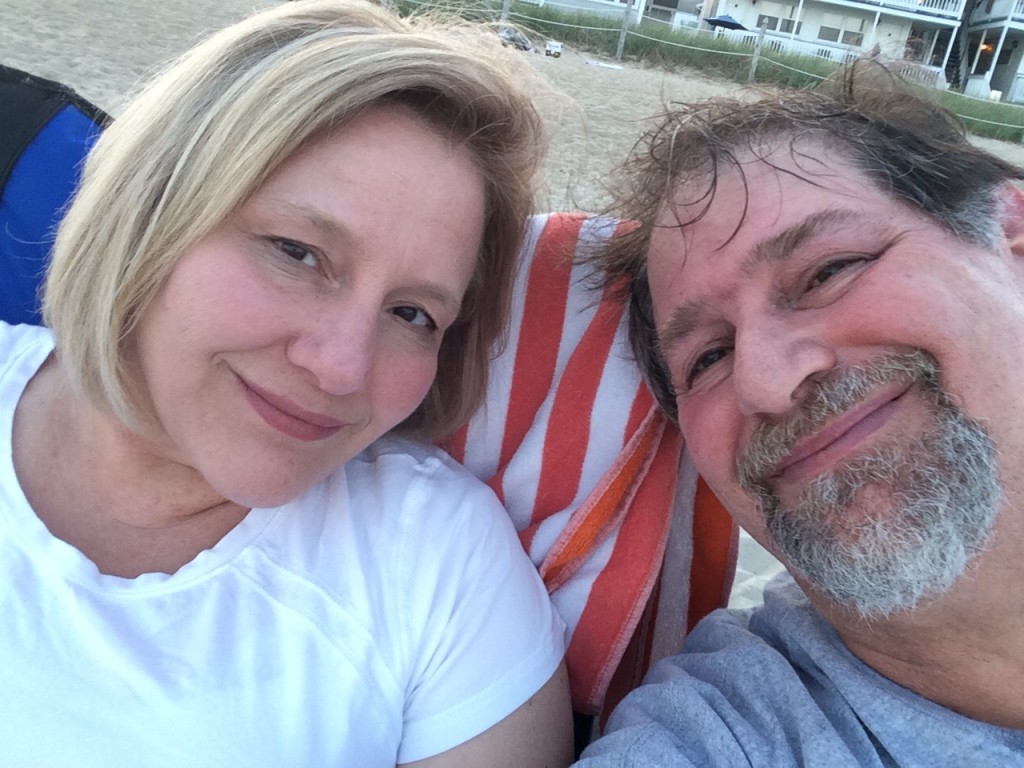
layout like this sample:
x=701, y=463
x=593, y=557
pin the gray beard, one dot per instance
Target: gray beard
x=895, y=525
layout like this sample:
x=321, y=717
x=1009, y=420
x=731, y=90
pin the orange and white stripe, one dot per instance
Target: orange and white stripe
x=593, y=475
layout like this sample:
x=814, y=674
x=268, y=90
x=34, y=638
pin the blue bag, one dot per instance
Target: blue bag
x=46, y=129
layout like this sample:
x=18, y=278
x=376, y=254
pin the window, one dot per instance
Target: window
x=777, y=16
x=831, y=34
x=838, y=28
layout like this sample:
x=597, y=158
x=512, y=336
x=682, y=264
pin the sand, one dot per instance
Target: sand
x=104, y=48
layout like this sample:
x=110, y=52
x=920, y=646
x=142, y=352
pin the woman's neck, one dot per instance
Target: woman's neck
x=122, y=500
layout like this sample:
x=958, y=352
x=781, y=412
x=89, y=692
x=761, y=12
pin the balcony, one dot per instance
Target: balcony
x=947, y=9
x=998, y=10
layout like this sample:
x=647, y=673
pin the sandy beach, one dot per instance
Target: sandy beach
x=103, y=48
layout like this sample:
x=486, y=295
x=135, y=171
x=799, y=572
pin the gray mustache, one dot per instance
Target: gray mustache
x=832, y=394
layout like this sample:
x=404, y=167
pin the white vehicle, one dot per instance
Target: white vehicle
x=552, y=48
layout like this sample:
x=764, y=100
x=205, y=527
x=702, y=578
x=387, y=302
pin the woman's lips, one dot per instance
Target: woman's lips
x=841, y=436
x=288, y=417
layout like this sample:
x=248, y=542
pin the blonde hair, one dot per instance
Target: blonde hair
x=204, y=135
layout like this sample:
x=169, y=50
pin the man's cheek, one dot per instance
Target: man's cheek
x=709, y=442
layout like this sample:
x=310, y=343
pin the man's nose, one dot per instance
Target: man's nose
x=775, y=361
x=338, y=348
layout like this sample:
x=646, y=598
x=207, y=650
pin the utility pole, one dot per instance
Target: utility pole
x=622, y=34
x=757, y=50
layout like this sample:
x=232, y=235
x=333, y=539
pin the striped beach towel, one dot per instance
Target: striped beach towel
x=631, y=544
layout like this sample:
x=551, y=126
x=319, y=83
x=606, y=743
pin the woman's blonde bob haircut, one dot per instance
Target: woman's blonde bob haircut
x=204, y=135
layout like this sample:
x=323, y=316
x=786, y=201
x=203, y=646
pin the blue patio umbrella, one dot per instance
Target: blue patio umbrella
x=725, y=21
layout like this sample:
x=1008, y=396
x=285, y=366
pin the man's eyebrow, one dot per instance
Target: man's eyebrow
x=778, y=248
x=690, y=315
x=683, y=321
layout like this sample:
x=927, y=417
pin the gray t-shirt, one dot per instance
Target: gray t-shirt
x=775, y=687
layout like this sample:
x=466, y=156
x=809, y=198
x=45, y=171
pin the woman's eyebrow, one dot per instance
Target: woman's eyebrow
x=332, y=228
x=328, y=225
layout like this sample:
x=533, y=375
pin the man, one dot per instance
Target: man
x=828, y=293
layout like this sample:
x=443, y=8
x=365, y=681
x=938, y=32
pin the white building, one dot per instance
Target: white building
x=993, y=60
x=922, y=32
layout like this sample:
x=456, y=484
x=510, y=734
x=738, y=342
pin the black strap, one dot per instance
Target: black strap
x=583, y=731
x=27, y=103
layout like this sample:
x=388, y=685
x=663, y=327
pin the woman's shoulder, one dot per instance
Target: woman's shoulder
x=409, y=453
x=397, y=492
x=23, y=348
x=17, y=339
x=402, y=470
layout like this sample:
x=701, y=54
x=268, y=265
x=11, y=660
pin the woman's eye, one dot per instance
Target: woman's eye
x=705, y=361
x=298, y=252
x=415, y=316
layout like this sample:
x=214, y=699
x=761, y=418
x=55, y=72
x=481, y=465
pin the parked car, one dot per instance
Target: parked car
x=516, y=38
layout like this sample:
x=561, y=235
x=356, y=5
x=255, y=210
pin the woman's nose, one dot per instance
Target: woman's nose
x=338, y=349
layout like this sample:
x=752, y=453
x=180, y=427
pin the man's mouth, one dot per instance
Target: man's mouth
x=840, y=436
x=847, y=408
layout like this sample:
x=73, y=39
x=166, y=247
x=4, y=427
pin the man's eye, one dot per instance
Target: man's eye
x=415, y=316
x=832, y=269
x=298, y=252
x=706, y=360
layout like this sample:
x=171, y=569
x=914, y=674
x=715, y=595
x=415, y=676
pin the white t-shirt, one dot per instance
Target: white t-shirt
x=387, y=615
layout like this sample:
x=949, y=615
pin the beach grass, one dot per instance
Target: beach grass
x=657, y=44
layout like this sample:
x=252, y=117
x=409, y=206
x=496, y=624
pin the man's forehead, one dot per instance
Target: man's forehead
x=697, y=260
x=760, y=186
x=757, y=171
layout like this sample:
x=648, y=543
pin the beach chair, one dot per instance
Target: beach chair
x=46, y=129
x=632, y=545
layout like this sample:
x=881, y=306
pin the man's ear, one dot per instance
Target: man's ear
x=1011, y=217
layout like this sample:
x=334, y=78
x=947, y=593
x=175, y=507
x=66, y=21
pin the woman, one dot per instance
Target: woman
x=297, y=240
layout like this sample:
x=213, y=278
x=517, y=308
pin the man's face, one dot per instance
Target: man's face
x=843, y=367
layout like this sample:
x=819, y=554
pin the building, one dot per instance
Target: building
x=923, y=35
x=993, y=62
x=921, y=32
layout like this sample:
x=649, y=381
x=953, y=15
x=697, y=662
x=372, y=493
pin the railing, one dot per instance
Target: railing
x=948, y=8
x=921, y=73
x=820, y=48
x=782, y=43
x=999, y=11
x=1016, y=94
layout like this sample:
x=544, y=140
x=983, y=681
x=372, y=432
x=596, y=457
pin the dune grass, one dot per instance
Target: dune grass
x=659, y=45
